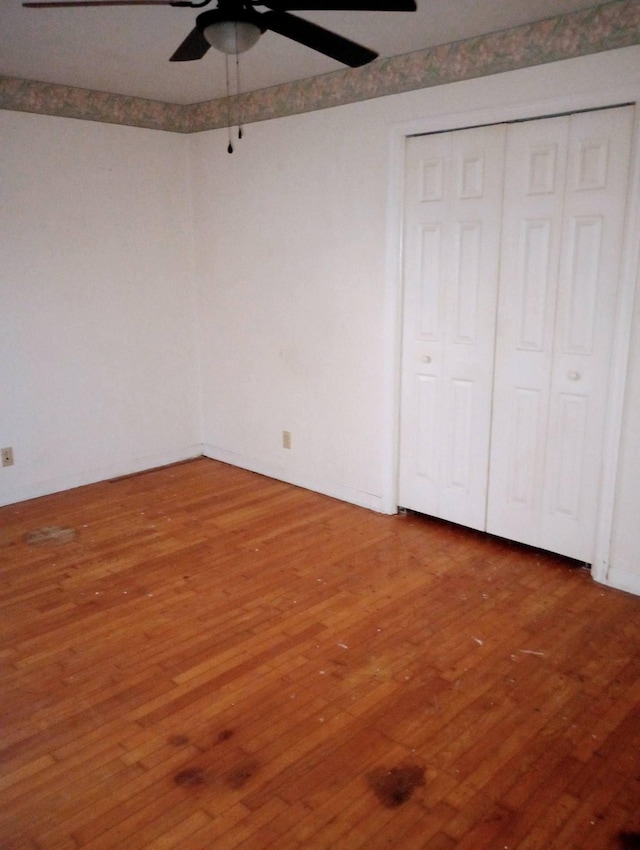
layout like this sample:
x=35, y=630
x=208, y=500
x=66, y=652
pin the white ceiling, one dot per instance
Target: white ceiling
x=126, y=51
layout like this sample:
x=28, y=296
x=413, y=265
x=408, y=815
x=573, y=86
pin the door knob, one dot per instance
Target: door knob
x=574, y=376
x=426, y=358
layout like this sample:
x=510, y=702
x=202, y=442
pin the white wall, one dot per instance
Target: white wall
x=297, y=236
x=96, y=311
x=298, y=290
x=624, y=568
x=290, y=262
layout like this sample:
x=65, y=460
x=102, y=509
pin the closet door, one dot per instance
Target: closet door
x=453, y=199
x=565, y=197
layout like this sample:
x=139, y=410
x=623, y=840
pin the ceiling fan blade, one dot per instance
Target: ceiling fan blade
x=346, y=6
x=193, y=47
x=68, y=4
x=318, y=38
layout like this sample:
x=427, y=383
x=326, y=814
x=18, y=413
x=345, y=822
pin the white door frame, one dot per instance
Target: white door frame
x=398, y=134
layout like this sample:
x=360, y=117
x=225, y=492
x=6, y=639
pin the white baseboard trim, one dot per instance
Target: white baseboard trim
x=622, y=580
x=36, y=489
x=299, y=479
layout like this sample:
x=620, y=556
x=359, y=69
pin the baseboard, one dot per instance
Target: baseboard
x=299, y=479
x=622, y=580
x=36, y=489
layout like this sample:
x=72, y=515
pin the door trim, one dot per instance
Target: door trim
x=629, y=285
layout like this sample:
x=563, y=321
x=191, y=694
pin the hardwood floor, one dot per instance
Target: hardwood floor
x=199, y=657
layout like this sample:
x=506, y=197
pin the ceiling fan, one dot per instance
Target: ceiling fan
x=235, y=26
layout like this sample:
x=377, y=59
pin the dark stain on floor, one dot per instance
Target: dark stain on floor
x=629, y=840
x=192, y=777
x=394, y=787
x=178, y=740
x=225, y=735
x=239, y=776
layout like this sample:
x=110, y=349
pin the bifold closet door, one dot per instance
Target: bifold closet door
x=504, y=400
x=565, y=196
x=452, y=205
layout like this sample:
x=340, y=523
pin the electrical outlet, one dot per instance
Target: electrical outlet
x=286, y=439
x=7, y=456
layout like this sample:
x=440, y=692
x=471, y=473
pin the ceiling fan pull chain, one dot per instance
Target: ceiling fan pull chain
x=226, y=66
x=238, y=95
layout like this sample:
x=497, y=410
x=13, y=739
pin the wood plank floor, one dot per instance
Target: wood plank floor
x=199, y=657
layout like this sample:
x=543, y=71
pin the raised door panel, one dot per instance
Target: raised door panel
x=427, y=181
x=535, y=169
x=565, y=199
x=593, y=220
x=452, y=203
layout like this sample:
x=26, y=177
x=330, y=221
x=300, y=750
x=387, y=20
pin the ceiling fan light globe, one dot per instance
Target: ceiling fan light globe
x=232, y=36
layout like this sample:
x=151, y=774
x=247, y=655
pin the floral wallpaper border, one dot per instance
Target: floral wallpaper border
x=605, y=27
x=69, y=102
